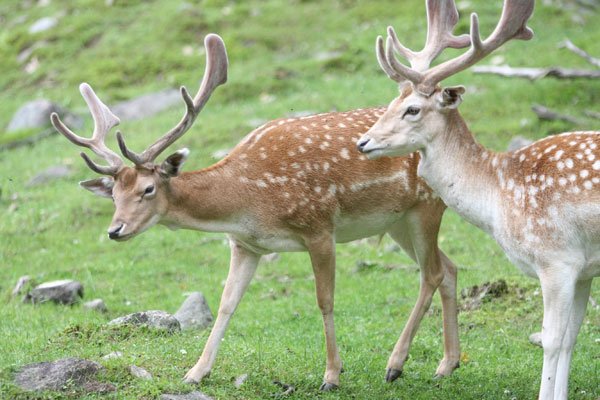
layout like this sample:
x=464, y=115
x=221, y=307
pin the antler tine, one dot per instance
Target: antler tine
x=104, y=121
x=215, y=74
x=512, y=25
x=442, y=17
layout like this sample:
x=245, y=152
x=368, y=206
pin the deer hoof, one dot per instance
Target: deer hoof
x=392, y=374
x=327, y=387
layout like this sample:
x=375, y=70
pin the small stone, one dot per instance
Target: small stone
x=536, y=339
x=96, y=305
x=518, y=142
x=239, y=381
x=33, y=114
x=195, y=395
x=153, y=319
x=49, y=174
x=57, y=375
x=139, y=372
x=113, y=355
x=219, y=154
x=272, y=257
x=194, y=313
x=62, y=292
x=43, y=24
x=24, y=280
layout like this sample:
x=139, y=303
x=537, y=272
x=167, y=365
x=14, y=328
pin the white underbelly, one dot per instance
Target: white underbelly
x=353, y=227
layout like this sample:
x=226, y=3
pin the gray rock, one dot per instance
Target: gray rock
x=62, y=292
x=239, y=381
x=24, y=280
x=139, y=372
x=96, y=305
x=35, y=114
x=536, y=339
x=112, y=355
x=147, y=105
x=32, y=115
x=194, y=313
x=153, y=318
x=219, y=154
x=43, y=24
x=57, y=375
x=50, y=174
x=195, y=395
x=518, y=142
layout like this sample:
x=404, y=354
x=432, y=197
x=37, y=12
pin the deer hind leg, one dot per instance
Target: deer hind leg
x=417, y=235
x=243, y=264
x=322, y=255
x=558, y=291
x=582, y=293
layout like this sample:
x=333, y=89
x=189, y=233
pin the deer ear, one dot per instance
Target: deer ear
x=100, y=186
x=451, y=97
x=173, y=164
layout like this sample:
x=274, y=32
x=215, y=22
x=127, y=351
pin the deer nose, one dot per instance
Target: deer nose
x=114, y=232
x=360, y=145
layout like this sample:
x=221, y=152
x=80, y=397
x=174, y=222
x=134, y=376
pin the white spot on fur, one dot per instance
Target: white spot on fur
x=344, y=154
x=569, y=163
x=560, y=165
x=596, y=165
x=588, y=185
x=562, y=181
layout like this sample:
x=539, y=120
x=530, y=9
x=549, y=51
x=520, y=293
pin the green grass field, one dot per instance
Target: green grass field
x=285, y=57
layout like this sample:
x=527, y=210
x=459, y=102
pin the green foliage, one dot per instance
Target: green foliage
x=284, y=57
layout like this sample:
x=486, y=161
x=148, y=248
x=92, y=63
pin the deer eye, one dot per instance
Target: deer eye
x=411, y=110
x=149, y=190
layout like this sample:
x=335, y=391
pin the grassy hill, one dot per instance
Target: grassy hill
x=285, y=57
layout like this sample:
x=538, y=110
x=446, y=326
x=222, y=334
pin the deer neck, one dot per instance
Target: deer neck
x=464, y=173
x=206, y=200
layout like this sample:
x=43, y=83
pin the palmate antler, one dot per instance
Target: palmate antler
x=215, y=74
x=442, y=17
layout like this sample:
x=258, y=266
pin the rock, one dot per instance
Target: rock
x=536, y=339
x=49, y=174
x=113, y=355
x=96, y=305
x=147, y=105
x=43, y=24
x=35, y=114
x=475, y=296
x=62, y=292
x=195, y=395
x=219, y=154
x=139, y=372
x=269, y=258
x=239, y=381
x=194, y=313
x=518, y=142
x=153, y=319
x=57, y=375
x=24, y=280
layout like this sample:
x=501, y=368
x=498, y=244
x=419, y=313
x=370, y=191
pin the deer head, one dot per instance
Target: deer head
x=140, y=192
x=424, y=108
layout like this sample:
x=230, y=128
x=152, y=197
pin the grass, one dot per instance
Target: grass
x=57, y=230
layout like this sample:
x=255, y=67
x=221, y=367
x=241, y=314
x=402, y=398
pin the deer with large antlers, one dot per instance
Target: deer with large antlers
x=291, y=185
x=541, y=203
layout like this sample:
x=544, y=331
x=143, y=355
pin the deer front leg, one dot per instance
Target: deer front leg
x=417, y=235
x=241, y=270
x=558, y=291
x=582, y=293
x=322, y=255
x=447, y=289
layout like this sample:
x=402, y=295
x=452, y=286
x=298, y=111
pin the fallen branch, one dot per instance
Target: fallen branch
x=581, y=53
x=592, y=114
x=546, y=114
x=537, y=73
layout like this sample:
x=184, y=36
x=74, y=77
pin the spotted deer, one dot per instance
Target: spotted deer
x=293, y=184
x=541, y=203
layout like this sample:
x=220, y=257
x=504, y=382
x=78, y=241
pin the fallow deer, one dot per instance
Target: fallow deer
x=541, y=203
x=291, y=185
